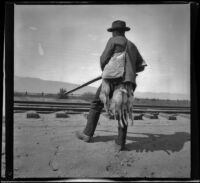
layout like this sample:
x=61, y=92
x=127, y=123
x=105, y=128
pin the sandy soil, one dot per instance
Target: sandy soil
x=47, y=147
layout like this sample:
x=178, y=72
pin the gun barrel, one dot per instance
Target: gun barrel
x=83, y=85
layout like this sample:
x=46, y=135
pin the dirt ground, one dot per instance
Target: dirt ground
x=47, y=147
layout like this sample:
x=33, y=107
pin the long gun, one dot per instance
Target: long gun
x=85, y=84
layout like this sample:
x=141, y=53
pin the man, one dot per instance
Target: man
x=134, y=64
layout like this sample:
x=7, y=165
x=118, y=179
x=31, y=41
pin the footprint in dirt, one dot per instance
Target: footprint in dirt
x=108, y=167
x=58, y=149
x=116, y=167
x=54, y=165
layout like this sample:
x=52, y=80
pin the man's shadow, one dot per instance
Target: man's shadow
x=150, y=142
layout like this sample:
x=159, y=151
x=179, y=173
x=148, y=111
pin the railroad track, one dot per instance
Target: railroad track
x=45, y=107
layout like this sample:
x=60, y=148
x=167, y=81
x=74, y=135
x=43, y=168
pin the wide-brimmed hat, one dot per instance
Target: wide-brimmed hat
x=118, y=25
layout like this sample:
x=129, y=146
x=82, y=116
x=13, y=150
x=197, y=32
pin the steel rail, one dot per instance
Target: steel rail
x=64, y=104
x=86, y=109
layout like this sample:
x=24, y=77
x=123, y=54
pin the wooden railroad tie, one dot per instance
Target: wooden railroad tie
x=168, y=116
x=151, y=115
x=32, y=114
x=138, y=116
x=61, y=114
x=135, y=116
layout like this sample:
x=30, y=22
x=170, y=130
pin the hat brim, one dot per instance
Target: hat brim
x=112, y=29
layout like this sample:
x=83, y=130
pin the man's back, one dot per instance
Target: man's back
x=134, y=61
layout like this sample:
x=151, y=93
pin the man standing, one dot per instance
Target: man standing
x=134, y=64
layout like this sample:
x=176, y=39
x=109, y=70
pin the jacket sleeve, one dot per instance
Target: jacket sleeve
x=107, y=53
x=140, y=63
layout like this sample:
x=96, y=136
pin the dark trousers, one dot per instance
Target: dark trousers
x=94, y=113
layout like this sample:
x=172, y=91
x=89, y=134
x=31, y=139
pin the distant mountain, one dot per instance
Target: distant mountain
x=36, y=85
x=170, y=96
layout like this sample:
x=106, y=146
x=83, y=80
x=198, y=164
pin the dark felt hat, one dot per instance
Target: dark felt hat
x=118, y=25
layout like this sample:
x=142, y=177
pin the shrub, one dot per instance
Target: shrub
x=61, y=94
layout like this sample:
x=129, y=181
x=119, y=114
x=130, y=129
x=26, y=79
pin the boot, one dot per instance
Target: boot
x=82, y=136
x=121, y=139
x=92, y=120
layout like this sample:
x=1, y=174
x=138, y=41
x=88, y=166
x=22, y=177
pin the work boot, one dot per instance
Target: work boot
x=92, y=120
x=82, y=136
x=121, y=139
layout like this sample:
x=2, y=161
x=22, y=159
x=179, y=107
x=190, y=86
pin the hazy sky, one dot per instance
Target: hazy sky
x=64, y=42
